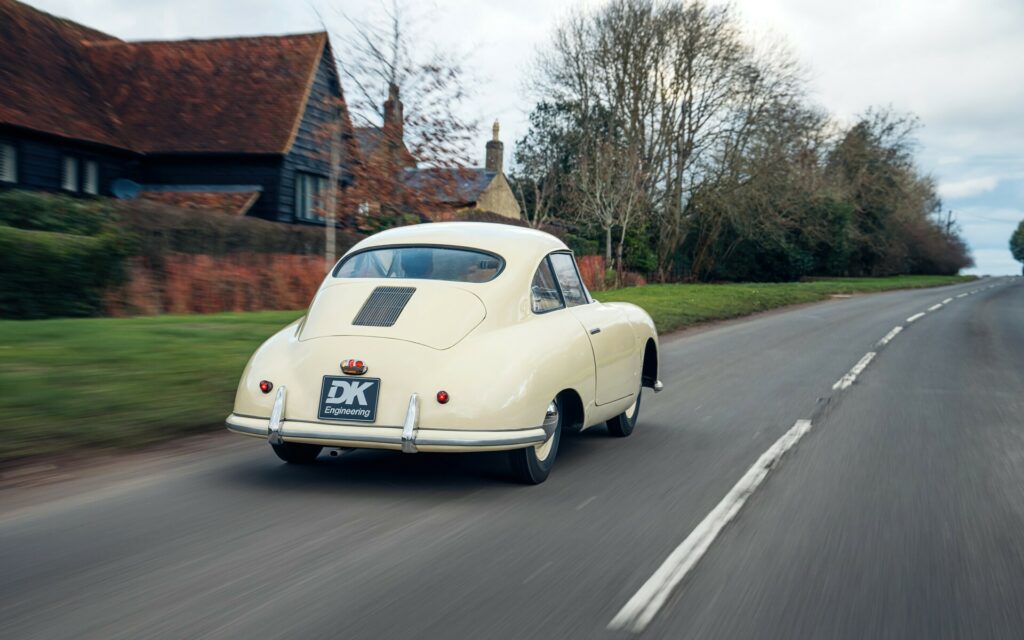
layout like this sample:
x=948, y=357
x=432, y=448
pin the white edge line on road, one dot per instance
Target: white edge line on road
x=935, y=307
x=916, y=316
x=852, y=374
x=889, y=336
x=947, y=301
x=586, y=502
x=645, y=603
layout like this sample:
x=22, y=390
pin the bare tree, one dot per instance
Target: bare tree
x=386, y=49
x=665, y=80
x=608, y=192
x=723, y=159
x=600, y=76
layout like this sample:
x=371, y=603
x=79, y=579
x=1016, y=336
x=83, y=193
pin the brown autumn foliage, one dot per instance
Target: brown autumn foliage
x=592, y=271
x=199, y=283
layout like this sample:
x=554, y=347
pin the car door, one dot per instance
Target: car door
x=607, y=328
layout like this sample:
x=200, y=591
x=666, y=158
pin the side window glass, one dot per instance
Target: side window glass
x=543, y=290
x=569, y=279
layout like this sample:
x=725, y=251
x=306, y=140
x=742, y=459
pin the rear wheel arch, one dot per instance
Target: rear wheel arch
x=649, y=372
x=572, y=409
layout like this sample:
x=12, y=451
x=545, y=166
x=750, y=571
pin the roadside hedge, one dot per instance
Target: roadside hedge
x=34, y=211
x=66, y=256
x=49, y=274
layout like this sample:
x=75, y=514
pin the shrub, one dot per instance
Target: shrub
x=35, y=211
x=161, y=229
x=56, y=274
x=592, y=271
x=633, y=279
x=65, y=256
x=187, y=283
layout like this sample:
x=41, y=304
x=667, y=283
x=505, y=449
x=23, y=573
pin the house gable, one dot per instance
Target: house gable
x=499, y=198
x=310, y=150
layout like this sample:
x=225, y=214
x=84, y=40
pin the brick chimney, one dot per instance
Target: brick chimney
x=494, y=157
x=393, y=116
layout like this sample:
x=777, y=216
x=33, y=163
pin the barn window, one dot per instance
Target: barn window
x=310, y=193
x=8, y=163
x=69, y=174
x=91, y=177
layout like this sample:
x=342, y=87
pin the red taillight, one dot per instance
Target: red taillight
x=353, y=367
x=442, y=397
x=266, y=386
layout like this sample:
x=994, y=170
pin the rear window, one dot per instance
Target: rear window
x=422, y=263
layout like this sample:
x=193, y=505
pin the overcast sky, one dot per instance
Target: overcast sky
x=957, y=64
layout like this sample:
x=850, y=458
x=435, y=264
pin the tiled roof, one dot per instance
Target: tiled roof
x=232, y=95
x=229, y=95
x=230, y=202
x=451, y=186
x=45, y=81
x=370, y=139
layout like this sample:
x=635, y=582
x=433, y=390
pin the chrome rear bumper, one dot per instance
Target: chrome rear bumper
x=340, y=435
x=408, y=438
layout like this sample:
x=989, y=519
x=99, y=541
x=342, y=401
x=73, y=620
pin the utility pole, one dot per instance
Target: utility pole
x=332, y=198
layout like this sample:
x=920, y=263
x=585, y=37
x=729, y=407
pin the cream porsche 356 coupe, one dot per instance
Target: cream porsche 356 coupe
x=454, y=337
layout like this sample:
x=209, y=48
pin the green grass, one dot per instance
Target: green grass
x=677, y=306
x=117, y=382
x=121, y=381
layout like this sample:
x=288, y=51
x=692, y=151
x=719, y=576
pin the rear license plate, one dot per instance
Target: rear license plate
x=349, y=399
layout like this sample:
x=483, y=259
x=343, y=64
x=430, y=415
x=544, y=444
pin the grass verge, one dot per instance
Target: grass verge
x=677, y=306
x=121, y=382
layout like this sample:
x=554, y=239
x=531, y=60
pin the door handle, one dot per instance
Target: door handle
x=595, y=330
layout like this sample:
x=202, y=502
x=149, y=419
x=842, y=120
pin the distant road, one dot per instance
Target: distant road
x=895, y=511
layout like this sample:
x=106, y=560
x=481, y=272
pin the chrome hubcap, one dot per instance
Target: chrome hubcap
x=631, y=411
x=543, y=450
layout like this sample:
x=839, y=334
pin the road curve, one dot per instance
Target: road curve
x=899, y=513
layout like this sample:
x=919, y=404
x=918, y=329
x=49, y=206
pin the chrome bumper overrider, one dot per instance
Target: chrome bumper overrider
x=408, y=438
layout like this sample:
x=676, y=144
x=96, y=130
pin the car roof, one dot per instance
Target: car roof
x=508, y=241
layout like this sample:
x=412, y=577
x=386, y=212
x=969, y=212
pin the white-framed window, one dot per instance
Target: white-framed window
x=310, y=190
x=8, y=163
x=569, y=280
x=69, y=173
x=91, y=177
x=544, y=293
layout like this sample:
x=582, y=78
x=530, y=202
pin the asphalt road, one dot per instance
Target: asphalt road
x=899, y=514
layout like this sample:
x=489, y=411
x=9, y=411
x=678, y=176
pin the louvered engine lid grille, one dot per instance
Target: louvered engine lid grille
x=383, y=306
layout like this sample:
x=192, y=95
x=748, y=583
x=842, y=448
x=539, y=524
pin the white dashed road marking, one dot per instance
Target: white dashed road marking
x=645, y=603
x=889, y=336
x=851, y=376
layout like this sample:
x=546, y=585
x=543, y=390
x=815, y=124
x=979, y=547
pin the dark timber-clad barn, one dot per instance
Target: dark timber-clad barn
x=236, y=124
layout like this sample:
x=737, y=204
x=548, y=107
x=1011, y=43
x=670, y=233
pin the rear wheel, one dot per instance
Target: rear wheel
x=533, y=464
x=297, y=452
x=622, y=425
